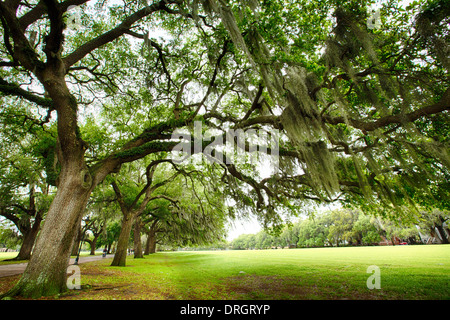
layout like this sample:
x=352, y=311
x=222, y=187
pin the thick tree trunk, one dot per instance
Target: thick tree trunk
x=147, y=245
x=29, y=239
x=77, y=240
x=152, y=242
x=137, y=239
x=29, y=230
x=46, y=272
x=150, y=246
x=27, y=246
x=153, y=245
x=120, y=257
x=93, y=246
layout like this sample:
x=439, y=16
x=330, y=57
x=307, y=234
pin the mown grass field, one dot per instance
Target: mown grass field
x=406, y=272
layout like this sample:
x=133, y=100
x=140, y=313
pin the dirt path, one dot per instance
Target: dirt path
x=18, y=268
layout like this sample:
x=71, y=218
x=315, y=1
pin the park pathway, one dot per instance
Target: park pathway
x=18, y=268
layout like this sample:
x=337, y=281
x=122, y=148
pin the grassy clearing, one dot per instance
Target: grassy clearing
x=407, y=272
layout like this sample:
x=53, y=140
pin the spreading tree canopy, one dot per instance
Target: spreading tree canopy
x=361, y=107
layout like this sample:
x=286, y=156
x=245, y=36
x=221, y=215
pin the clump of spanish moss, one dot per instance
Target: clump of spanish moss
x=428, y=24
x=357, y=87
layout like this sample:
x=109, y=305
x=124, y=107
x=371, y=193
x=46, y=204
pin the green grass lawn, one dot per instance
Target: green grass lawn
x=406, y=272
x=6, y=256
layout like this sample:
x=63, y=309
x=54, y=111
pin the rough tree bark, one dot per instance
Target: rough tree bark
x=150, y=245
x=151, y=237
x=29, y=240
x=46, y=273
x=76, y=241
x=120, y=256
x=93, y=242
x=137, y=239
x=147, y=244
x=152, y=242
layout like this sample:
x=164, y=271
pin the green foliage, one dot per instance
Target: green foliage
x=9, y=237
x=343, y=227
x=331, y=85
x=311, y=234
x=46, y=150
x=111, y=234
x=200, y=215
x=27, y=172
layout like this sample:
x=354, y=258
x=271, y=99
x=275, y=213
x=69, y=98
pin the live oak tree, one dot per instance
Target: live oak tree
x=354, y=113
x=350, y=227
x=35, y=48
x=27, y=218
x=110, y=236
x=97, y=226
x=25, y=192
x=432, y=222
x=198, y=218
x=96, y=229
x=137, y=189
x=166, y=196
x=365, y=111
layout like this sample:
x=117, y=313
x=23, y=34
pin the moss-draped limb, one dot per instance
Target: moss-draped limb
x=143, y=150
x=13, y=89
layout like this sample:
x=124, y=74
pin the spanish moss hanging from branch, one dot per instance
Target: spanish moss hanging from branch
x=361, y=109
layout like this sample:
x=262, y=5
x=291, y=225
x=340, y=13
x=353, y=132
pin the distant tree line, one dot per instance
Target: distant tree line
x=345, y=227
